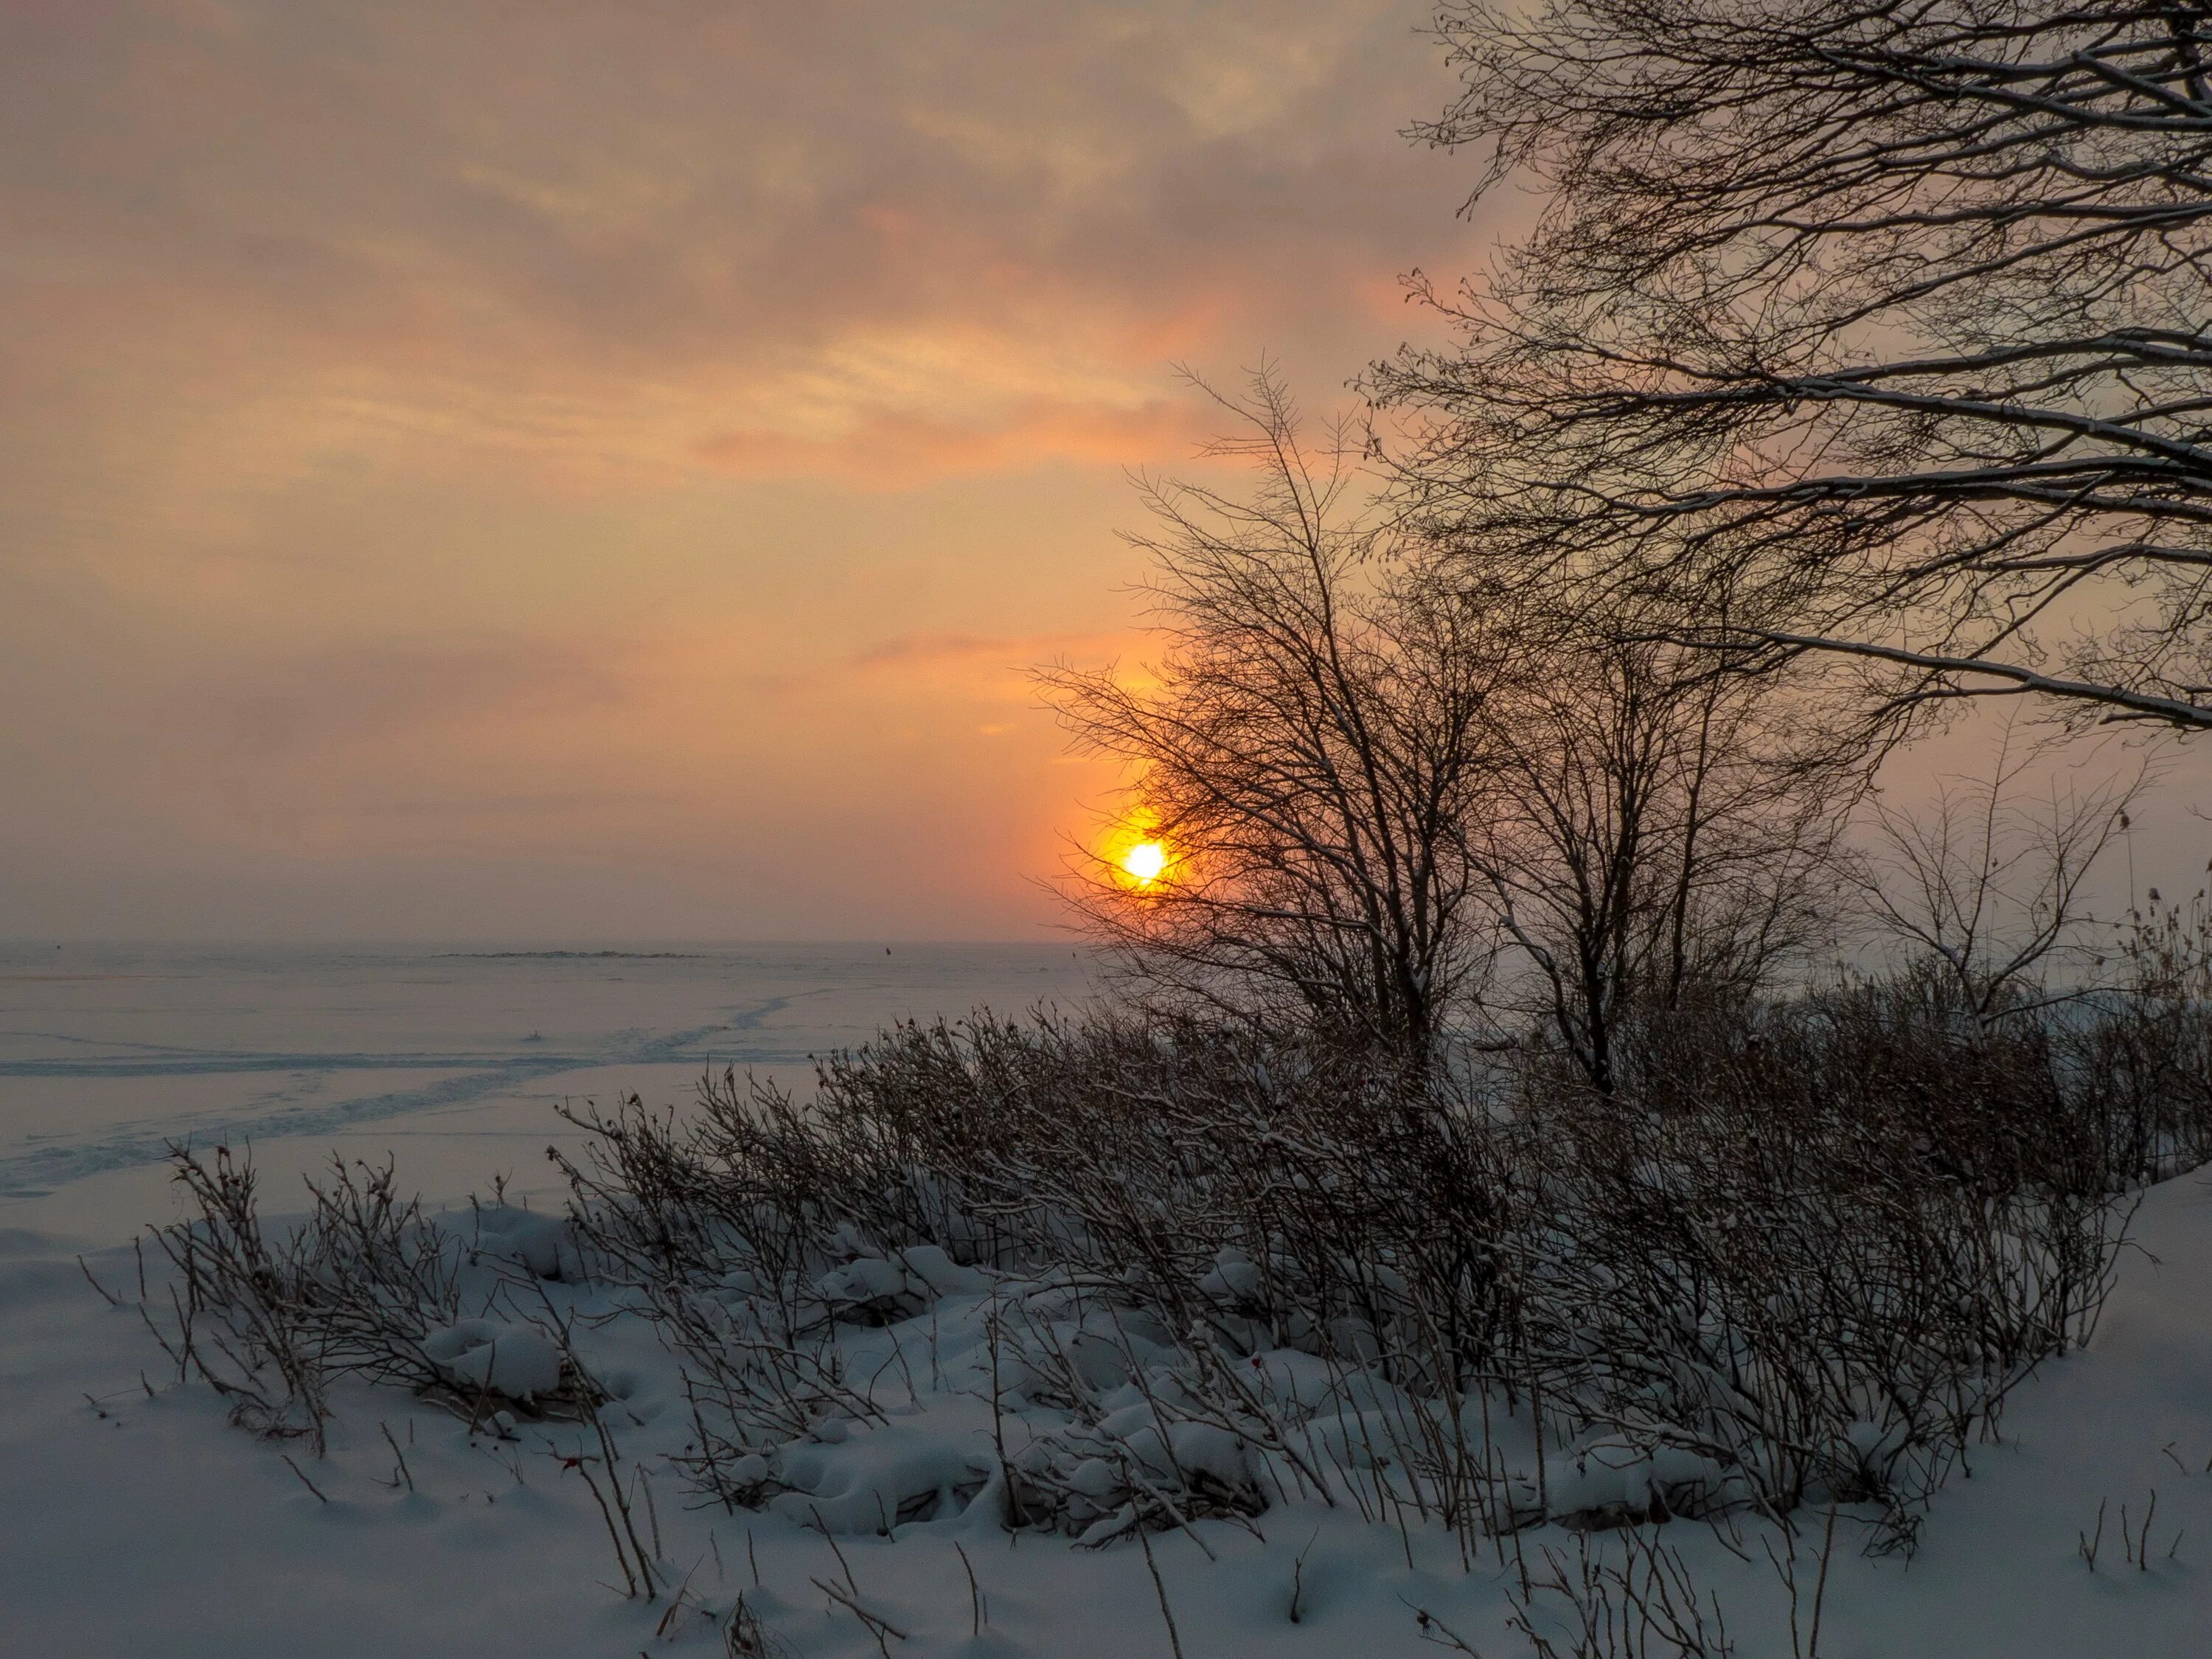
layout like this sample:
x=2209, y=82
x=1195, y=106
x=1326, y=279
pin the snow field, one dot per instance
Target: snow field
x=142, y=1523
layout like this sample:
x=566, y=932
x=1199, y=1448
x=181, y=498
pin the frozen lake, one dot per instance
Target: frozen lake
x=133, y=1521
x=451, y=1059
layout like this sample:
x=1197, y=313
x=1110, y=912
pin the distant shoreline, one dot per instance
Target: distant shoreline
x=591, y=956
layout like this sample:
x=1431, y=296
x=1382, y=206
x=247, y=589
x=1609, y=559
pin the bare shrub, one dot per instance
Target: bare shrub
x=237, y=1321
x=1645, y=1606
x=1162, y=1200
x=1812, y=1247
x=1801, y=1253
x=364, y=1286
x=2147, y=1050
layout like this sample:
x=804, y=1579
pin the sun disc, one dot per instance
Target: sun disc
x=1145, y=861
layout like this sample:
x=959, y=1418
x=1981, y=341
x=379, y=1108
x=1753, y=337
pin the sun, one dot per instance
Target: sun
x=1143, y=861
x=1137, y=852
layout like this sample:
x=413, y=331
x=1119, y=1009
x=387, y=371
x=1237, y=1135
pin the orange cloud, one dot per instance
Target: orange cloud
x=633, y=440
x=1000, y=650
x=891, y=451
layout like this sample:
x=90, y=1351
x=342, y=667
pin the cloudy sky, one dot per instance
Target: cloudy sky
x=562, y=471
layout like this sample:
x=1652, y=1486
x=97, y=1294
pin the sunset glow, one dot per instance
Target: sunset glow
x=618, y=511
x=1144, y=862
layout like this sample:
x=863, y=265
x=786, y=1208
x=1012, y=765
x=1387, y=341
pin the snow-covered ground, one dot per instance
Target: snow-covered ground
x=134, y=1521
x=451, y=1056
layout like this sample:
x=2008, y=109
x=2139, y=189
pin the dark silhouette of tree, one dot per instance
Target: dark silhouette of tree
x=1889, y=319
x=1373, y=770
x=1308, y=750
x=1665, y=834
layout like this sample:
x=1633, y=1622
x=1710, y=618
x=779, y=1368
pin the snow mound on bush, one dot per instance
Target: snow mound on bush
x=863, y=1479
x=514, y=1360
x=885, y=1286
x=540, y=1243
x=1611, y=1479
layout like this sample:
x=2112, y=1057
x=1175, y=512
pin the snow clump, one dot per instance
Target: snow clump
x=484, y=1354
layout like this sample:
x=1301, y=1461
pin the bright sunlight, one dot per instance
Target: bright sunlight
x=1144, y=862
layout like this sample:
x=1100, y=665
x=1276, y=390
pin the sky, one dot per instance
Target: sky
x=574, y=472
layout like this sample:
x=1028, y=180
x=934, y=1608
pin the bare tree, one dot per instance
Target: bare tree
x=1307, y=755
x=1988, y=889
x=1667, y=830
x=1374, y=761
x=1891, y=313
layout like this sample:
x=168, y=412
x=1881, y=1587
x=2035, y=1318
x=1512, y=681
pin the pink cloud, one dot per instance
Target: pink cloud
x=476, y=406
x=890, y=450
